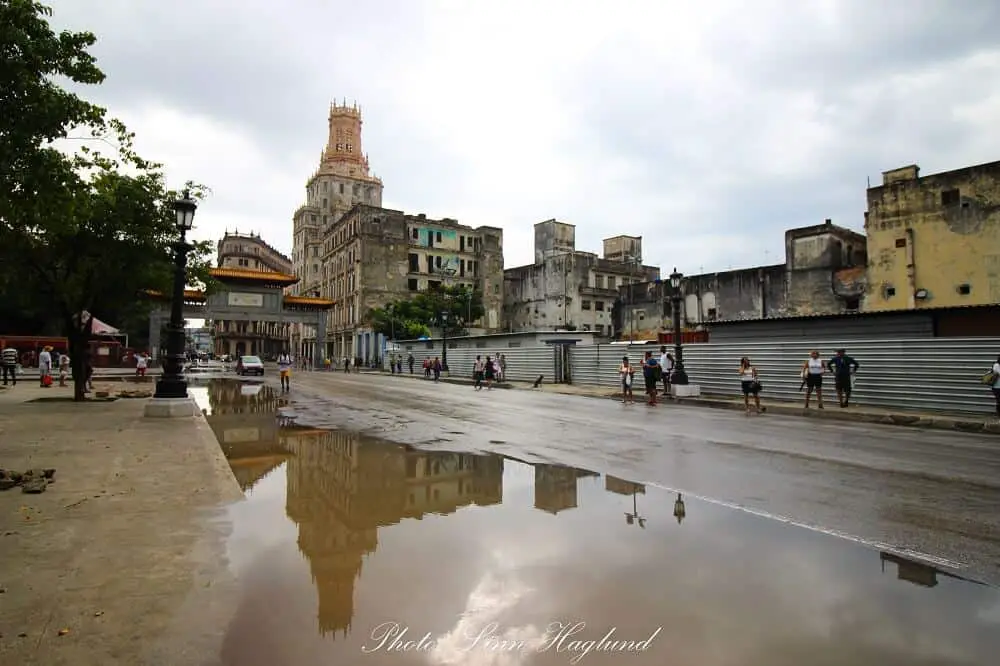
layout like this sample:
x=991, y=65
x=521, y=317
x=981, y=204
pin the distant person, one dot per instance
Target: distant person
x=285, y=370
x=812, y=378
x=8, y=365
x=749, y=384
x=843, y=368
x=627, y=374
x=502, y=376
x=652, y=373
x=141, y=363
x=478, y=370
x=489, y=373
x=410, y=361
x=63, y=369
x=436, y=367
x=995, y=386
x=45, y=367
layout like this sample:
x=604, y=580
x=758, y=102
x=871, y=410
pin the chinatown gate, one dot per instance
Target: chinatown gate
x=249, y=314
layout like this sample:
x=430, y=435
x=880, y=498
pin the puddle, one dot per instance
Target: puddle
x=359, y=551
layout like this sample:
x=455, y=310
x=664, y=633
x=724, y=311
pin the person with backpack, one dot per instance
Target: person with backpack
x=652, y=372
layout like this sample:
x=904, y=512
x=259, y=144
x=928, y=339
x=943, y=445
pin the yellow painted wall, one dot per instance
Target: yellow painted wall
x=949, y=243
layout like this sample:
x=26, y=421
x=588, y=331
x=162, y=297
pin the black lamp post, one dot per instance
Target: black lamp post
x=444, y=341
x=171, y=383
x=679, y=376
x=634, y=517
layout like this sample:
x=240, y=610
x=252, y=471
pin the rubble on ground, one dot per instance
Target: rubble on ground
x=33, y=481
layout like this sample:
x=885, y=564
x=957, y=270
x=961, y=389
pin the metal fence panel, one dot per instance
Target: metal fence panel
x=920, y=374
x=523, y=363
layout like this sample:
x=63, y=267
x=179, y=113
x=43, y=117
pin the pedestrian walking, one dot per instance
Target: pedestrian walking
x=844, y=368
x=812, y=378
x=141, y=363
x=502, y=376
x=409, y=362
x=627, y=374
x=478, y=370
x=436, y=367
x=749, y=384
x=45, y=367
x=489, y=373
x=63, y=369
x=285, y=370
x=995, y=385
x=8, y=365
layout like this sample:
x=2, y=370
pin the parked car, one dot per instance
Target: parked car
x=249, y=365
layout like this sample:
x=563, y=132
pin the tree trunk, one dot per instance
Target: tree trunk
x=78, y=353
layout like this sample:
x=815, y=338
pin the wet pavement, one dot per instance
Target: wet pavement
x=355, y=549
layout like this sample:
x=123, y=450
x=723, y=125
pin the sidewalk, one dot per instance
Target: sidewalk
x=461, y=381
x=863, y=414
x=119, y=560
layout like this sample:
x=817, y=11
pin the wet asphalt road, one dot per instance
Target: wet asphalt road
x=933, y=492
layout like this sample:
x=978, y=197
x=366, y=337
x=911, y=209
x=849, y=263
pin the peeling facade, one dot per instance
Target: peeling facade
x=566, y=288
x=934, y=241
x=250, y=252
x=375, y=256
x=824, y=272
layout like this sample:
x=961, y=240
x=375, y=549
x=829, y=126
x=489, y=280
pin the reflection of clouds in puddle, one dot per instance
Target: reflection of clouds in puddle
x=480, y=638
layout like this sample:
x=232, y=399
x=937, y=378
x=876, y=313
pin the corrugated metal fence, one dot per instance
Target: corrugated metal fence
x=928, y=373
x=523, y=364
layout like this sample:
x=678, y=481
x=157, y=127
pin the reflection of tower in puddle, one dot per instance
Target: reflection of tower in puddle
x=912, y=572
x=555, y=487
x=243, y=420
x=342, y=488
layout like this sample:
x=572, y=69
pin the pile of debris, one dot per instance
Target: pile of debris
x=33, y=481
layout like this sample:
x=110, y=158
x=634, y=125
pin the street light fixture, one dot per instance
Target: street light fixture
x=634, y=517
x=679, y=376
x=172, y=383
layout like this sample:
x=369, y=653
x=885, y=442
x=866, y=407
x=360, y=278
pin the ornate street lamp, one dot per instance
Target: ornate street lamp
x=679, y=509
x=172, y=384
x=679, y=376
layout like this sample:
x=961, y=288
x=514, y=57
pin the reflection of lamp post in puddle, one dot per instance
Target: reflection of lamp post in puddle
x=634, y=517
x=679, y=510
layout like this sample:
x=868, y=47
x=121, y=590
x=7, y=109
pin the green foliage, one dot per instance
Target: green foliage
x=78, y=232
x=414, y=317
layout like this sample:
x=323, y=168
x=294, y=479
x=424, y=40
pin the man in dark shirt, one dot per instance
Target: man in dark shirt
x=651, y=372
x=843, y=367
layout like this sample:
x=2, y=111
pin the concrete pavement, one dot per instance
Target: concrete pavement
x=930, y=491
x=105, y=566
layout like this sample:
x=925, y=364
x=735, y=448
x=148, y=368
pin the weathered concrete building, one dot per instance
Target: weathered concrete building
x=251, y=252
x=823, y=273
x=373, y=256
x=569, y=289
x=934, y=241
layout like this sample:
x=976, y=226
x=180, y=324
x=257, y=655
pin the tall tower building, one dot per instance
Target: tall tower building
x=342, y=180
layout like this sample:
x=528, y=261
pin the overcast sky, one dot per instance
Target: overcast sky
x=708, y=128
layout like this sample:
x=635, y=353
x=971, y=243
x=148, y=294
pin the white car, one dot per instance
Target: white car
x=249, y=365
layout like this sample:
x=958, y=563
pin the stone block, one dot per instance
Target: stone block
x=170, y=408
x=686, y=390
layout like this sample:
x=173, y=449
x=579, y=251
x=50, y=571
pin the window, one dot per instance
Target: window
x=600, y=329
x=414, y=233
x=584, y=305
x=414, y=263
x=599, y=306
x=964, y=289
x=325, y=204
x=890, y=292
x=437, y=236
x=411, y=284
x=430, y=264
x=586, y=327
x=611, y=282
x=599, y=281
x=712, y=314
x=461, y=243
x=496, y=289
x=461, y=268
x=350, y=148
x=950, y=197
x=900, y=242
x=341, y=188
x=437, y=262
x=433, y=285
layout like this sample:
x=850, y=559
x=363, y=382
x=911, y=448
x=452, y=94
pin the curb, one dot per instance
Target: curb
x=458, y=381
x=926, y=422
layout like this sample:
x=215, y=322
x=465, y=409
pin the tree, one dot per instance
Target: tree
x=79, y=232
x=414, y=317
